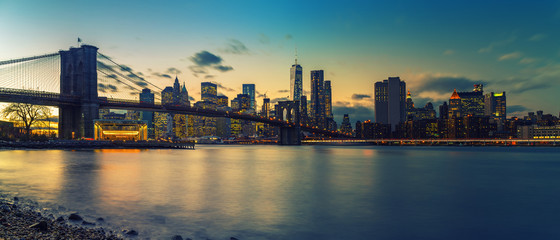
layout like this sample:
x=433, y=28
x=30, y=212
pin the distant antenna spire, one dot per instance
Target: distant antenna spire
x=296, y=55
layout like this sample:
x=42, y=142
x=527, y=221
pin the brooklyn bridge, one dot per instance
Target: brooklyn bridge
x=70, y=80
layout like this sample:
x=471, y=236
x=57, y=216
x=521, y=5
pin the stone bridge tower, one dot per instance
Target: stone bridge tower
x=78, y=78
x=289, y=111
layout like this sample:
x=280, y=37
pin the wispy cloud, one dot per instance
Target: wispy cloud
x=510, y=56
x=448, y=52
x=537, y=37
x=235, y=46
x=496, y=44
x=173, y=70
x=527, y=60
x=360, y=96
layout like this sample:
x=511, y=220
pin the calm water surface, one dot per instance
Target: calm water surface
x=303, y=192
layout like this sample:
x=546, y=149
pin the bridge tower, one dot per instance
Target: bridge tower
x=289, y=134
x=78, y=78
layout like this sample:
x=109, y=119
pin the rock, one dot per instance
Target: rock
x=19, y=214
x=75, y=217
x=177, y=237
x=16, y=199
x=42, y=226
x=100, y=219
x=232, y=238
x=60, y=219
x=131, y=232
x=88, y=223
x=5, y=208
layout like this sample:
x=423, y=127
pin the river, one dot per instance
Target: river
x=298, y=192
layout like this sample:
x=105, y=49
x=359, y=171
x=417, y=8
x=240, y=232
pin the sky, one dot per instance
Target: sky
x=434, y=46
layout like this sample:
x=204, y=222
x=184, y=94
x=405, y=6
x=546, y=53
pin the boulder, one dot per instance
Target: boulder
x=131, y=232
x=177, y=237
x=75, y=217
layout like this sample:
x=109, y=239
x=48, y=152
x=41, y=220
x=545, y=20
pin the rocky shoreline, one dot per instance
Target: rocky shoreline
x=20, y=222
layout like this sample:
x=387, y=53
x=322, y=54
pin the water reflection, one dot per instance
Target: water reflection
x=306, y=192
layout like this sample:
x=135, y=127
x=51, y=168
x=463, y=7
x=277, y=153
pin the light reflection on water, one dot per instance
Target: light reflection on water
x=306, y=192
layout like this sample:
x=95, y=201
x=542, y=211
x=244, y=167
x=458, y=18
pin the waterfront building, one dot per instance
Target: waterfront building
x=121, y=130
x=163, y=122
x=346, y=126
x=495, y=105
x=472, y=103
x=443, y=111
x=265, y=112
x=167, y=96
x=235, y=106
x=244, y=101
x=209, y=92
x=538, y=132
x=222, y=101
x=204, y=126
x=413, y=113
x=390, y=101
x=249, y=89
x=147, y=97
x=304, y=119
x=132, y=115
x=296, y=81
x=454, y=108
x=318, y=99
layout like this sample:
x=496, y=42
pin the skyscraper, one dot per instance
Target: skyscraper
x=222, y=101
x=317, y=99
x=328, y=99
x=176, y=92
x=146, y=96
x=266, y=107
x=296, y=81
x=390, y=101
x=249, y=89
x=495, y=105
x=455, y=106
x=208, y=92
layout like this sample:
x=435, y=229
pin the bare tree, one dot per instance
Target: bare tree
x=26, y=114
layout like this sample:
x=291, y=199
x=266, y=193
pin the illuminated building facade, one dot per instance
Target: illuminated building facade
x=455, y=105
x=249, y=90
x=318, y=117
x=390, y=102
x=222, y=101
x=346, y=126
x=538, y=132
x=296, y=81
x=495, y=105
x=147, y=97
x=121, y=130
x=209, y=92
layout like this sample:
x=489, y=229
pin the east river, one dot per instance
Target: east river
x=298, y=192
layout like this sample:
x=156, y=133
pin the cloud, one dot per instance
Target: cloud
x=527, y=60
x=442, y=84
x=510, y=56
x=448, y=52
x=173, y=71
x=537, y=37
x=283, y=91
x=360, y=96
x=355, y=113
x=205, y=58
x=288, y=37
x=161, y=75
x=264, y=39
x=191, y=98
x=125, y=68
x=209, y=77
x=223, y=68
x=516, y=109
x=103, y=66
x=235, y=46
x=493, y=45
x=220, y=86
x=106, y=88
x=276, y=100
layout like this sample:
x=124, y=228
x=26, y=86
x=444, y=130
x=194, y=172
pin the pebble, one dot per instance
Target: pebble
x=132, y=232
x=88, y=223
x=177, y=237
x=60, y=219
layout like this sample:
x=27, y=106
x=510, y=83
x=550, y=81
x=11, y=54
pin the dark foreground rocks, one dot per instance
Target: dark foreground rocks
x=18, y=223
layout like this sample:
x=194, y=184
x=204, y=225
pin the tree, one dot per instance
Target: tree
x=27, y=114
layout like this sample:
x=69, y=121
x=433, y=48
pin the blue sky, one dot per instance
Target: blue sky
x=435, y=46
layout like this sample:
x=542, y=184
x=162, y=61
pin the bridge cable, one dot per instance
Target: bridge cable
x=127, y=69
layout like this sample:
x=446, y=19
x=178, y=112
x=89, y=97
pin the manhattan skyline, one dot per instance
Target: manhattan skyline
x=435, y=47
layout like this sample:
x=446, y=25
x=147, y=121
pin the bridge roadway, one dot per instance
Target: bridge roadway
x=56, y=99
